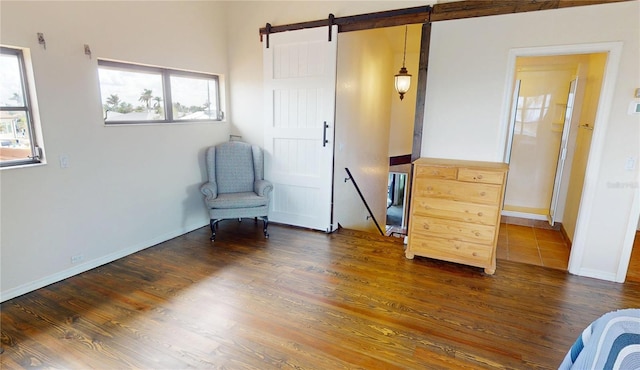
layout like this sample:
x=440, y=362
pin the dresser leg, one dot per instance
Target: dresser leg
x=490, y=270
x=409, y=255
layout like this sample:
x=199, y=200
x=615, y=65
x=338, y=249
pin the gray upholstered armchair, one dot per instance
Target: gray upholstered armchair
x=236, y=187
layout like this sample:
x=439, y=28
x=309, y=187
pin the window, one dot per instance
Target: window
x=17, y=140
x=140, y=94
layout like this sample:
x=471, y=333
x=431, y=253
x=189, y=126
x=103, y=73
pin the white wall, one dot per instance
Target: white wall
x=363, y=108
x=466, y=95
x=129, y=187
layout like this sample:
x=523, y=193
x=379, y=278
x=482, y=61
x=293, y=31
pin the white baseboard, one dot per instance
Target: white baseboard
x=530, y=216
x=88, y=265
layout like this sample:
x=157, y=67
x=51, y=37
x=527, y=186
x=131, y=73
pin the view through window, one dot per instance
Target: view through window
x=139, y=94
x=17, y=144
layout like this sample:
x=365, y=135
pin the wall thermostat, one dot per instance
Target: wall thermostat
x=634, y=107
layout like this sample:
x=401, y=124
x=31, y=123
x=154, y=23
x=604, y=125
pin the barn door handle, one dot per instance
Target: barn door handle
x=324, y=134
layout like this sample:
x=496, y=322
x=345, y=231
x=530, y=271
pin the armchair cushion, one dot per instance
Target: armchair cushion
x=237, y=200
x=234, y=168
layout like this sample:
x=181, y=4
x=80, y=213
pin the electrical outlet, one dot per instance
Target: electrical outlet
x=77, y=258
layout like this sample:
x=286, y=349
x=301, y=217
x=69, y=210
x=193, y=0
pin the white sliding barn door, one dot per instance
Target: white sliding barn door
x=300, y=85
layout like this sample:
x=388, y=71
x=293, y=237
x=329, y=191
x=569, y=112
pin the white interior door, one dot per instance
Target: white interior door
x=512, y=122
x=300, y=86
x=553, y=210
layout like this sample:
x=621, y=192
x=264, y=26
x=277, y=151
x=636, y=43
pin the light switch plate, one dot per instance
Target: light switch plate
x=630, y=164
x=64, y=161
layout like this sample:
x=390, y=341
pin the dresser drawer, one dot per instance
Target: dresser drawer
x=452, y=250
x=459, y=191
x=436, y=172
x=457, y=211
x=481, y=176
x=422, y=226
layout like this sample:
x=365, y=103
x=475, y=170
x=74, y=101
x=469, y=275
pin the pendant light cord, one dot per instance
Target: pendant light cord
x=404, y=55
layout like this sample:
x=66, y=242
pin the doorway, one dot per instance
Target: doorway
x=633, y=271
x=553, y=116
x=372, y=123
x=401, y=128
x=396, y=221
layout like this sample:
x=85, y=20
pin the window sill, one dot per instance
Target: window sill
x=161, y=123
x=26, y=165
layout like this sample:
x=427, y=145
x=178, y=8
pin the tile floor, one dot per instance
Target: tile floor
x=546, y=247
x=531, y=245
x=539, y=246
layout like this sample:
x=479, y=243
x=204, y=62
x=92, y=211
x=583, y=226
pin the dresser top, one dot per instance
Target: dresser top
x=441, y=162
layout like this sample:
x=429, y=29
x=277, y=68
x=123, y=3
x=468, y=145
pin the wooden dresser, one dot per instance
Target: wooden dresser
x=455, y=211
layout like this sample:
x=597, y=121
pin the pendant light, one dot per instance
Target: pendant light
x=403, y=79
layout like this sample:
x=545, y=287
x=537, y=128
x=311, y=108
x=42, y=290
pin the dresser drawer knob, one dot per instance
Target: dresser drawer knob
x=479, y=177
x=482, y=193
x=426, y=226
x=480, y=214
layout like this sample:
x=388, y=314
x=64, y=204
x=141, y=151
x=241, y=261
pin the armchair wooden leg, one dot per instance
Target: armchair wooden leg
x=213, y=224
x=265, y=225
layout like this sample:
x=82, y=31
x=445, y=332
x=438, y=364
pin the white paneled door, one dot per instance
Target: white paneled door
x=566, y=128
x=300, y=85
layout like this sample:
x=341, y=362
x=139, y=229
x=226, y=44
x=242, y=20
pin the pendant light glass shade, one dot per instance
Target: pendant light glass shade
x=403, y=78
x=403, y=82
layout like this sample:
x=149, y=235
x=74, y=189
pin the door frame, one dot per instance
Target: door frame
x=614, y=51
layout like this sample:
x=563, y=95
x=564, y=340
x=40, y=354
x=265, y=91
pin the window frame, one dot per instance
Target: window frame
x=167, y=101
x=36, y=150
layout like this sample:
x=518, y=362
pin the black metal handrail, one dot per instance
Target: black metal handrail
x=363, y=200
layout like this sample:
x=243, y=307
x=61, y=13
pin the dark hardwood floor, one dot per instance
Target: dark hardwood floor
x=304, y=300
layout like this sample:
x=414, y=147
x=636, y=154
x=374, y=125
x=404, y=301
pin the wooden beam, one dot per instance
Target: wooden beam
x=439, y=12
x=421, y=89
x=399, y=17
x=400, y=20
x=400, y=159
x=483, y=8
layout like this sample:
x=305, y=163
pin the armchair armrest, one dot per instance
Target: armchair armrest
x=262, y=187
x=210, y=190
